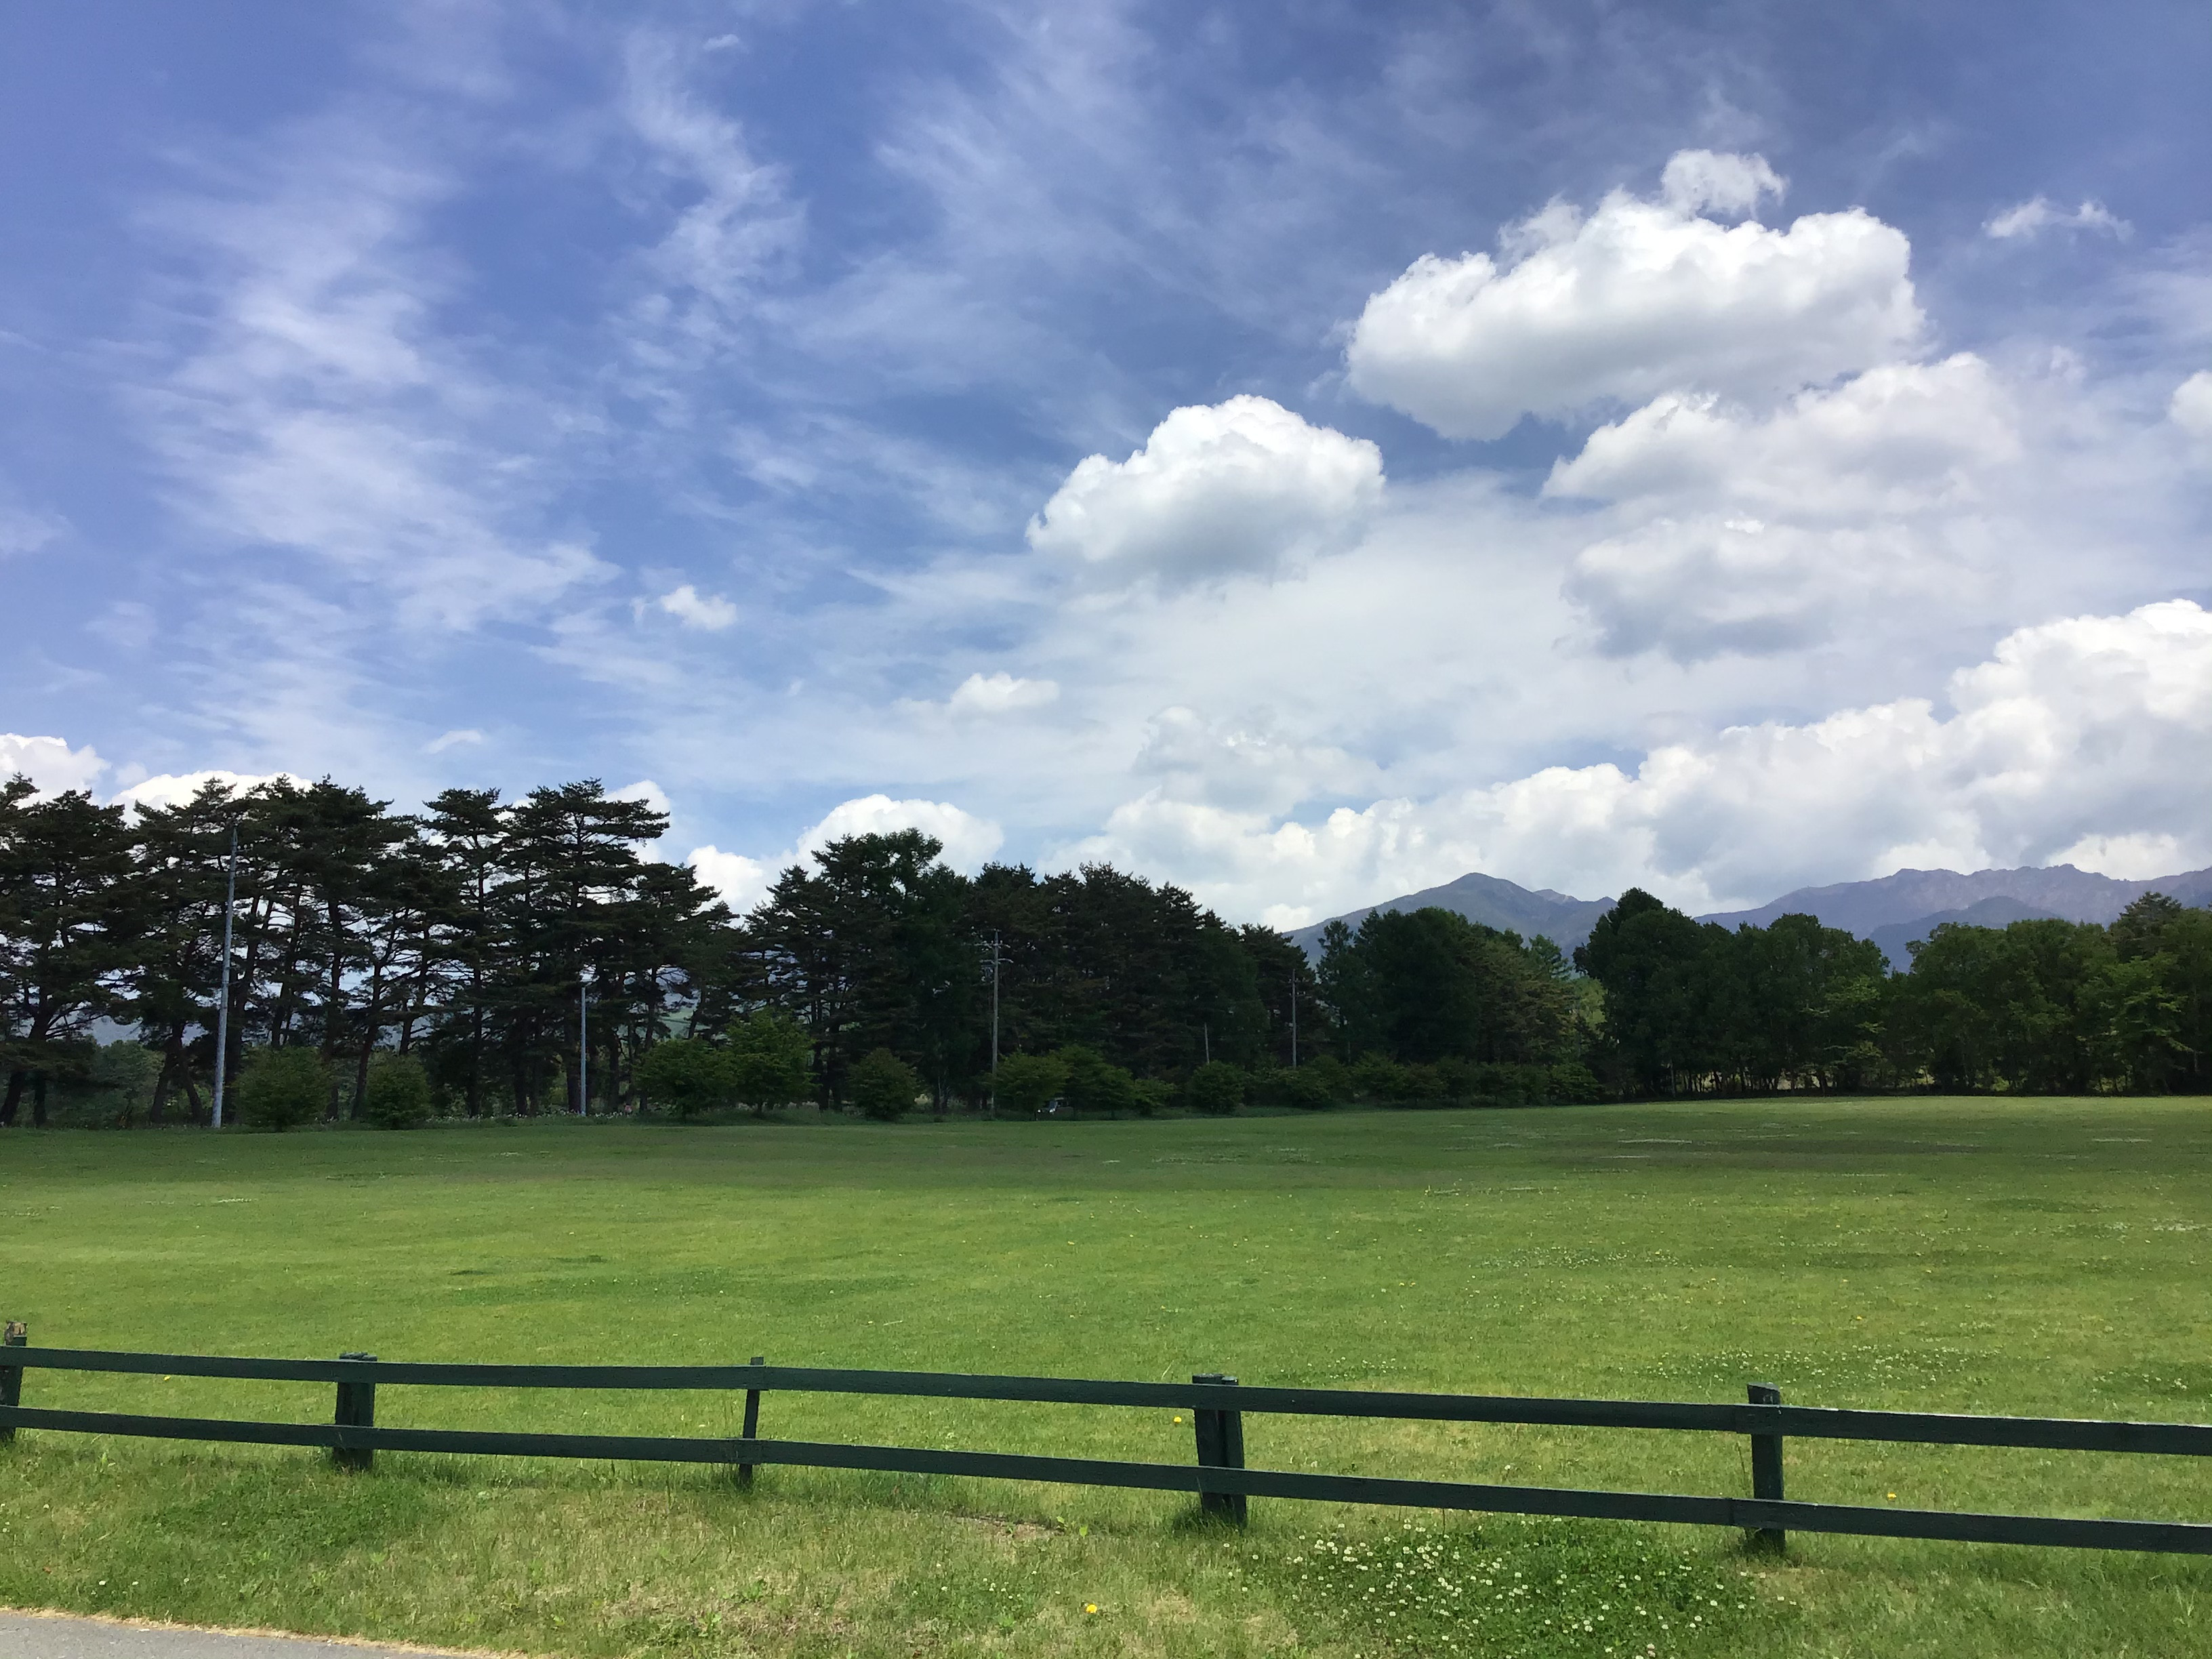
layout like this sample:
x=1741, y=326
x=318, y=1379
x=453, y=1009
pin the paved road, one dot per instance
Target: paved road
x=27, y=1635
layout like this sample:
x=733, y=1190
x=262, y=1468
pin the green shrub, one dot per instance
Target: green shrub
x=1306, y=1089
x=882, y=1086
x=1421, y=1085
x=398, y=1092
x=1151, y=1097
x=1026, y=1083
x=1379, y=1078
x=771, y=1057
x=1216, y=1089
x=688, y=1074
x=1093, y=1084
x=1571, y=1083
x=280, y=1088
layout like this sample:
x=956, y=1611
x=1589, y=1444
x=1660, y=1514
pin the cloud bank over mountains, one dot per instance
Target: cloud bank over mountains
x=1306, y=501
x=2069, y=727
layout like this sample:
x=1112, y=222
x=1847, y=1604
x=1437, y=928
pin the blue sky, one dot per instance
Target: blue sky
x=1300, y=451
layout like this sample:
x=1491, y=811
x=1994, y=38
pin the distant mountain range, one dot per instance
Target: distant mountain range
x=1893, y=911
x=1912, y=895
x=1898, y=910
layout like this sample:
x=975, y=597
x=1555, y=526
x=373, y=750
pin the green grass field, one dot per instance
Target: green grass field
x=2036, y=1256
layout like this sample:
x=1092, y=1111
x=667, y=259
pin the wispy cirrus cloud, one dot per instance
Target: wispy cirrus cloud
x=2039, y=213
x=319, y=410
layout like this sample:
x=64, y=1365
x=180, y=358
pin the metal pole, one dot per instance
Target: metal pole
x=998, y=958
x=583, y=1043
x=1294, y=1019
x=222, y=996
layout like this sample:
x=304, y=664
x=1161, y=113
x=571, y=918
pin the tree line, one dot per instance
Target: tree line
x=530, y=955
x=491, y=956
x=2041, y=1006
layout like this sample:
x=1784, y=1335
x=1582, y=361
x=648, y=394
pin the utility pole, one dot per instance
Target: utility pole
x=222, y=996
x=584, y=1041
x=1294, y=1019
x=998, y=961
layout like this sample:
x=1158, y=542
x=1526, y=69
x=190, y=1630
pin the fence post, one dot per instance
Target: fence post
x=16, y=1335
x=1765, y=1471
x=752, y=1425
x=1220, y=1436
x=357, y=1409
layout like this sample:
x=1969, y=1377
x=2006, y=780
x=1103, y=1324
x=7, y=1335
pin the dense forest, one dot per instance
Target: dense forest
x=489, y=957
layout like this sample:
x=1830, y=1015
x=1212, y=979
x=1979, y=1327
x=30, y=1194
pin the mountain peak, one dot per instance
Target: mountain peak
x=1491, y=900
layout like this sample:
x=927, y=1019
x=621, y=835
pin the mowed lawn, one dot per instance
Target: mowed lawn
x=2040, y=1256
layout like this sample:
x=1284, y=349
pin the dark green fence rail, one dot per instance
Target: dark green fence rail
x=1217, y=1404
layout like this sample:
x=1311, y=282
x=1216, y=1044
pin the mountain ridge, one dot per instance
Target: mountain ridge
x=2060, y=889
x=1891, y=910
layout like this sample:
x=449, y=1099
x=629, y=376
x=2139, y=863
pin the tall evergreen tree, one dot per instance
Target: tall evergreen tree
x=70, y=922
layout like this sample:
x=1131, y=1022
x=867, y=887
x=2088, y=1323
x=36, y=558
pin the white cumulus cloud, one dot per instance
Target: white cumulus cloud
x=2127, y=858
x=1734, y=531
x=1638, y=298
x=999, y=694
x=2039, y=214
x=1240, y=486
x=968, y=841
x=743, y=882
x=175, y=789
x=1755, y=534
x=707, y=611
x=1905, y=437
x=646, y=793
x=1695, y=180
x=49, y=763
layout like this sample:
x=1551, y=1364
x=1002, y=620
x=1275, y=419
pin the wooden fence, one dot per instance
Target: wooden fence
x=1217, y=1404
